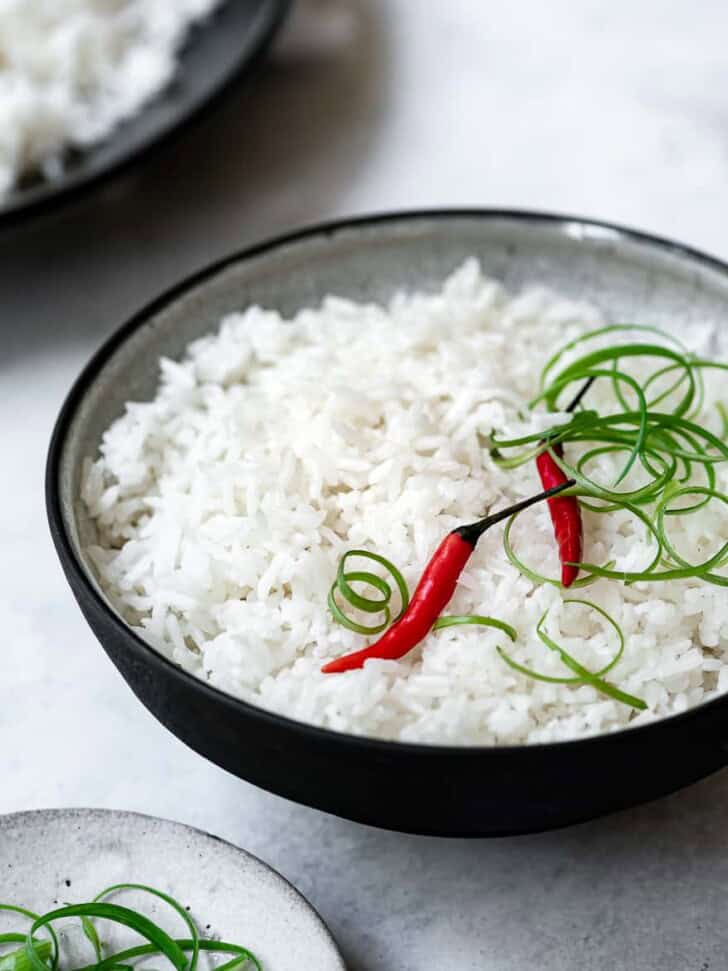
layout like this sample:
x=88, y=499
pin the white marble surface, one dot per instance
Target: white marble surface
x=607, y=108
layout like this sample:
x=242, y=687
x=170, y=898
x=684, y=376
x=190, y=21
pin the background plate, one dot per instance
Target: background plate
x=72, y=854
x=217, y=51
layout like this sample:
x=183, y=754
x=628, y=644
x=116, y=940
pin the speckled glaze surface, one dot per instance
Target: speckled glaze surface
x=480, y=791
x=70, y=855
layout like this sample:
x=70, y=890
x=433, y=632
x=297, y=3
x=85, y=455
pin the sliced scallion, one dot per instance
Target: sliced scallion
x=582, y=675
x=38, y=954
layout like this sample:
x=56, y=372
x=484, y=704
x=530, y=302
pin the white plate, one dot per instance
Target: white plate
x=69, y=855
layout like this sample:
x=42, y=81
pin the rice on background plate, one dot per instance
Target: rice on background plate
x=224, y=506
x=72, y=70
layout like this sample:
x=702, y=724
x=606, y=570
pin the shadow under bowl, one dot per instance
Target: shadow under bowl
x=439, y=790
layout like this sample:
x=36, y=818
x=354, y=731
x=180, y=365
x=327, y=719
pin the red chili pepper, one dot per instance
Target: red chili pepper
x=434, y=591
x=565, y=516
x=565, y=511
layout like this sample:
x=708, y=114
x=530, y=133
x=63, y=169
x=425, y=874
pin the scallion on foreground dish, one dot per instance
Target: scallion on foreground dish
x=227, y=506
x=38, y=943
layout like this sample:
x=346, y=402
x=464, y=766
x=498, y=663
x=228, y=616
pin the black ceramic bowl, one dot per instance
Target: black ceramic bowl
x=431, y=789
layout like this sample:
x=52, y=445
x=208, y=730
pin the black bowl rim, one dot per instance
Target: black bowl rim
x=270, y=18
x=390, y=747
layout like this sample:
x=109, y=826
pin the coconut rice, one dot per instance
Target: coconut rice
x=72, y=70
x=223, y=506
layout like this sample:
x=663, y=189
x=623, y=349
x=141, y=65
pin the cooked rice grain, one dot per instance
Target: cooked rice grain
x=223, y=506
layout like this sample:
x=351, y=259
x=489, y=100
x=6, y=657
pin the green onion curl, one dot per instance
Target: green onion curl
x=370, y=605
x=582, y=675
x=170, y=901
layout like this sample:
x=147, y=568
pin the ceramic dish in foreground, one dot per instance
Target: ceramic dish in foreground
x=72, y=854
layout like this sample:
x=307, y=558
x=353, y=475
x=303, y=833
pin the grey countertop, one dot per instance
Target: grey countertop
x=609, y=109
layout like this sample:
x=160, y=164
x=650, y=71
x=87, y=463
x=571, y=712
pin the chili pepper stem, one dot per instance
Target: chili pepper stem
x=580, y=393
x=472, y=532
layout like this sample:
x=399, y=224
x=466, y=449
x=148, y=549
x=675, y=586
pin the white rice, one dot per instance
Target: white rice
x=72, y=70
x=223, y=507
